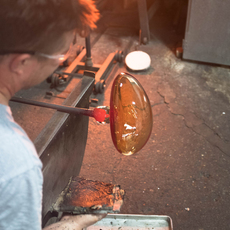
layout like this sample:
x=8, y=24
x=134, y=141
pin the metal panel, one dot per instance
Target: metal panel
x=134, y=222
x=207, y=36
x=61, y=144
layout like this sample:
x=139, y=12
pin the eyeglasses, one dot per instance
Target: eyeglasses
x=60, y=57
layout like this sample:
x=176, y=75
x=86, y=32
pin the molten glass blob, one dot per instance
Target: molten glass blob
x=130, y=115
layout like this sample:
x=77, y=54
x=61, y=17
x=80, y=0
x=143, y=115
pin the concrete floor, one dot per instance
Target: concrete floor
x=183, y=170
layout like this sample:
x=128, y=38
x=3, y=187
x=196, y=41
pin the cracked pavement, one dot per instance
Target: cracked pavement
x=183, y=171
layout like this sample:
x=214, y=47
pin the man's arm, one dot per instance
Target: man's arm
x=20, y=201
x=77, y=222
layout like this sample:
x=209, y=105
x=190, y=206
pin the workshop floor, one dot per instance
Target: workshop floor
x=183, y=171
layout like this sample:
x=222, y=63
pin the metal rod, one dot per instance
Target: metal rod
x=60, y=108
x=88, y=47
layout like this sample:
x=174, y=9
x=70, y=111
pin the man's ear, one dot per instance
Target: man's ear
x=20, y=63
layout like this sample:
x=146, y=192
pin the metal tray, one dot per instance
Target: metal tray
x=133, y=222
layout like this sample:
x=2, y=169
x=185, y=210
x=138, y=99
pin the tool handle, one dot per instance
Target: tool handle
x=60, y=108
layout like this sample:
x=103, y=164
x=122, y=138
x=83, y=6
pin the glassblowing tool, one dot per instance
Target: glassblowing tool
x=129, y=115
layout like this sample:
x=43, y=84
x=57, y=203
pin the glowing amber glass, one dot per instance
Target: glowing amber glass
x=130, y=114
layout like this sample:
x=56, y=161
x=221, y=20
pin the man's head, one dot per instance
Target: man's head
x=39, y=25
x=32, y=27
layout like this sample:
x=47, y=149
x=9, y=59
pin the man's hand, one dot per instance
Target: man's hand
x=83, y=221
x=76, y=222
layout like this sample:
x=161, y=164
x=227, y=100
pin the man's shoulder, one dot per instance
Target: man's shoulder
x=17, y=152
